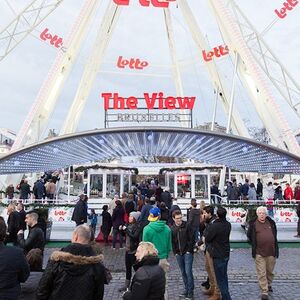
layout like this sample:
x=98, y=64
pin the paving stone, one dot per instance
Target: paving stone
x=241, y=272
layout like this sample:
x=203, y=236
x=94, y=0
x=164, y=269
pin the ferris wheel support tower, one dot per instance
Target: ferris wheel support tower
x=255, y=81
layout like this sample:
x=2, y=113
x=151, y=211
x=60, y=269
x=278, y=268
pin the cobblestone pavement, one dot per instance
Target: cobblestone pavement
x=241, y=272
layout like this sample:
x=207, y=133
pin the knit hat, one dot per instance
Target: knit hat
x=154, y=214
x=135, y=214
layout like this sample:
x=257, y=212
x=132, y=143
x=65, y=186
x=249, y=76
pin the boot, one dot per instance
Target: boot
x=208, y=292
x=125, y=287
x=215, y=296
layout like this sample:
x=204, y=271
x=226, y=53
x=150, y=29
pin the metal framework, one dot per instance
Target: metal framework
x=202, y=146
x=250, y=65
x=255, y=81
x=24, y=23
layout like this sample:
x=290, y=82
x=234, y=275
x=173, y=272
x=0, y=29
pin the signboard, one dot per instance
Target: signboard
x=60, y=214
x=236, y=215
x=285, y=215
x=153, y=107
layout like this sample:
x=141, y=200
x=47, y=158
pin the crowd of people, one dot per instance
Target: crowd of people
x=44, y=187
x=150, y=225
x=251, y=191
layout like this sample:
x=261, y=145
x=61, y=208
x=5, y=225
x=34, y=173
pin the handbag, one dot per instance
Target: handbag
x=107, y=275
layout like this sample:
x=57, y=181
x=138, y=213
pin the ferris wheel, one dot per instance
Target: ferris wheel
x=253, y=61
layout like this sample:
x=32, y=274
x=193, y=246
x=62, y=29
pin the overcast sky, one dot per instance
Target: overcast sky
x=140, y=33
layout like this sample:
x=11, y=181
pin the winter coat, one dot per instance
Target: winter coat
x=24, y=190
x=106, y=222
x=50, y=188
x=22, y=214
x=80, y=212
x=167, y=198
x=182, y=238
x=298, y=210
x=194, y=217
x=94, y=219
x=159, y=234
x=164, y=214
x=39, y=189
x=145, y=212
x=252, y=193
x=251, y=235
x=259, y=189
x=129, y=206
x=118, y=217
x=10, y=192
x=217, y=236
x=73, y=273
x=288, y=193
x=148, y=282
x=13, y=270
x=133, y=234
x=28, y=289
x=35, y=239
x=269, y=192
x=13, y=225
x=245, y=189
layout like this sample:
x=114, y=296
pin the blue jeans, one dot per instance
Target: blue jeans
x=185, y=263
x=220, y=266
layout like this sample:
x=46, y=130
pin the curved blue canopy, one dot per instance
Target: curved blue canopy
x=210, y=147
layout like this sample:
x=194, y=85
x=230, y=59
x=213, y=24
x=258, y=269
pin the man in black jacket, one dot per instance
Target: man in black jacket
x=13, y=224
x=262, y=234
x=13, y=268
x=74, y=272
x=182, y=244
x=80, y=213
x=35, y=238
x=217, y=236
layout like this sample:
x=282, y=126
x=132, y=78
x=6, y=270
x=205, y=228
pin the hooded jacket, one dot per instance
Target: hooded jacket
x=159, y=234
x=148, y=282
x=73, y=273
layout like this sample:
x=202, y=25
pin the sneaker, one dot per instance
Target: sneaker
x=183, y=295
x=270, y=289
x=188, y=297
x=297, y=235
x=264, y=297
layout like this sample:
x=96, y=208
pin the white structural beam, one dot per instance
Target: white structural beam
x=40, y=112
x=238, y=125
x=255, y=81
x=175, y=63
x=279, y=76
x=24, y=23
x=92, y=67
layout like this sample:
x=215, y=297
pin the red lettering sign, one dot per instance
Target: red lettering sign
x=156, y=100
x=155, y=3
x=55, y=41
x=59, y=212
x=287, y=6
x=132, y=63
x=285, y=214
x=217, y=52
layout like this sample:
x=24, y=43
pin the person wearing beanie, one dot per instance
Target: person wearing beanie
x=158, y=233
x=133, y=231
